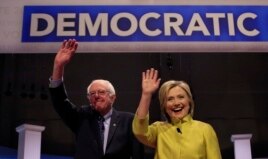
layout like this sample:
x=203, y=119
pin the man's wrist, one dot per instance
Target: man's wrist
x=55, y=83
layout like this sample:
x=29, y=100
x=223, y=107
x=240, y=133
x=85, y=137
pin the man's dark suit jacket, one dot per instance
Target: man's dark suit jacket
x=82, y=121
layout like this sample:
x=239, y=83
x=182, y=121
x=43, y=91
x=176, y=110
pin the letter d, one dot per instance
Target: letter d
x=34, y=24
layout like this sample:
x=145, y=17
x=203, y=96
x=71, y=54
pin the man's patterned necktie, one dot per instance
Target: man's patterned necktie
x=101, y=127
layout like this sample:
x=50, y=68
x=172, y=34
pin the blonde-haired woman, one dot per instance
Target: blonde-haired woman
x=180, y=137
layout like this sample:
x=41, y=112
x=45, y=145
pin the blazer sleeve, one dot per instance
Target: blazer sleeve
x=212, y=145
x=145, y=133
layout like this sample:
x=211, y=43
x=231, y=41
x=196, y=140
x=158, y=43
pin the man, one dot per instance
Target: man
x=109, y=138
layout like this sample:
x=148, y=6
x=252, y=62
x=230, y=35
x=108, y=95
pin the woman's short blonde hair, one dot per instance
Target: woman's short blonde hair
x=164, y=89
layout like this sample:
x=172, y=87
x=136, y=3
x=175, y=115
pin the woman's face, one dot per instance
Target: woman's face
x=178, y=103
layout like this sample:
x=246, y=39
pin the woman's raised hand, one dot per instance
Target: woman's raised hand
x=150, y=81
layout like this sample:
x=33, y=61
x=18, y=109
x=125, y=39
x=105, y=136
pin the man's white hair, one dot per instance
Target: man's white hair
x=107, y=83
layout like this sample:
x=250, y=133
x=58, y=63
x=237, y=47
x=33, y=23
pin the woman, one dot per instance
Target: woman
x=180, y=137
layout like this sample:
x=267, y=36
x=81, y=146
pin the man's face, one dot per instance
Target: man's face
x=177, y=104
x=100, y=98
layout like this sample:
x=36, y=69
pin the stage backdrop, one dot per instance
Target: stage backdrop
x=39, y=26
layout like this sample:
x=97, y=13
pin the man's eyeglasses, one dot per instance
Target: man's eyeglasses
x=99, y=92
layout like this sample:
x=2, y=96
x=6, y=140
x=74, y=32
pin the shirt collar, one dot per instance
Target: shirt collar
x=108, y=115
x=186, y=119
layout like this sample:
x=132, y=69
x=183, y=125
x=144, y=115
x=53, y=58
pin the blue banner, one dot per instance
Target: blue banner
x=145, y=23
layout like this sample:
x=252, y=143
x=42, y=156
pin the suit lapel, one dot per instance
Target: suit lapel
x=113, y=126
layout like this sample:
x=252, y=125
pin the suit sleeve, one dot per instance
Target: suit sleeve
x=137, y=147
x=65, y=109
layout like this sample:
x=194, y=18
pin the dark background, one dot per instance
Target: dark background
x=230, y=92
